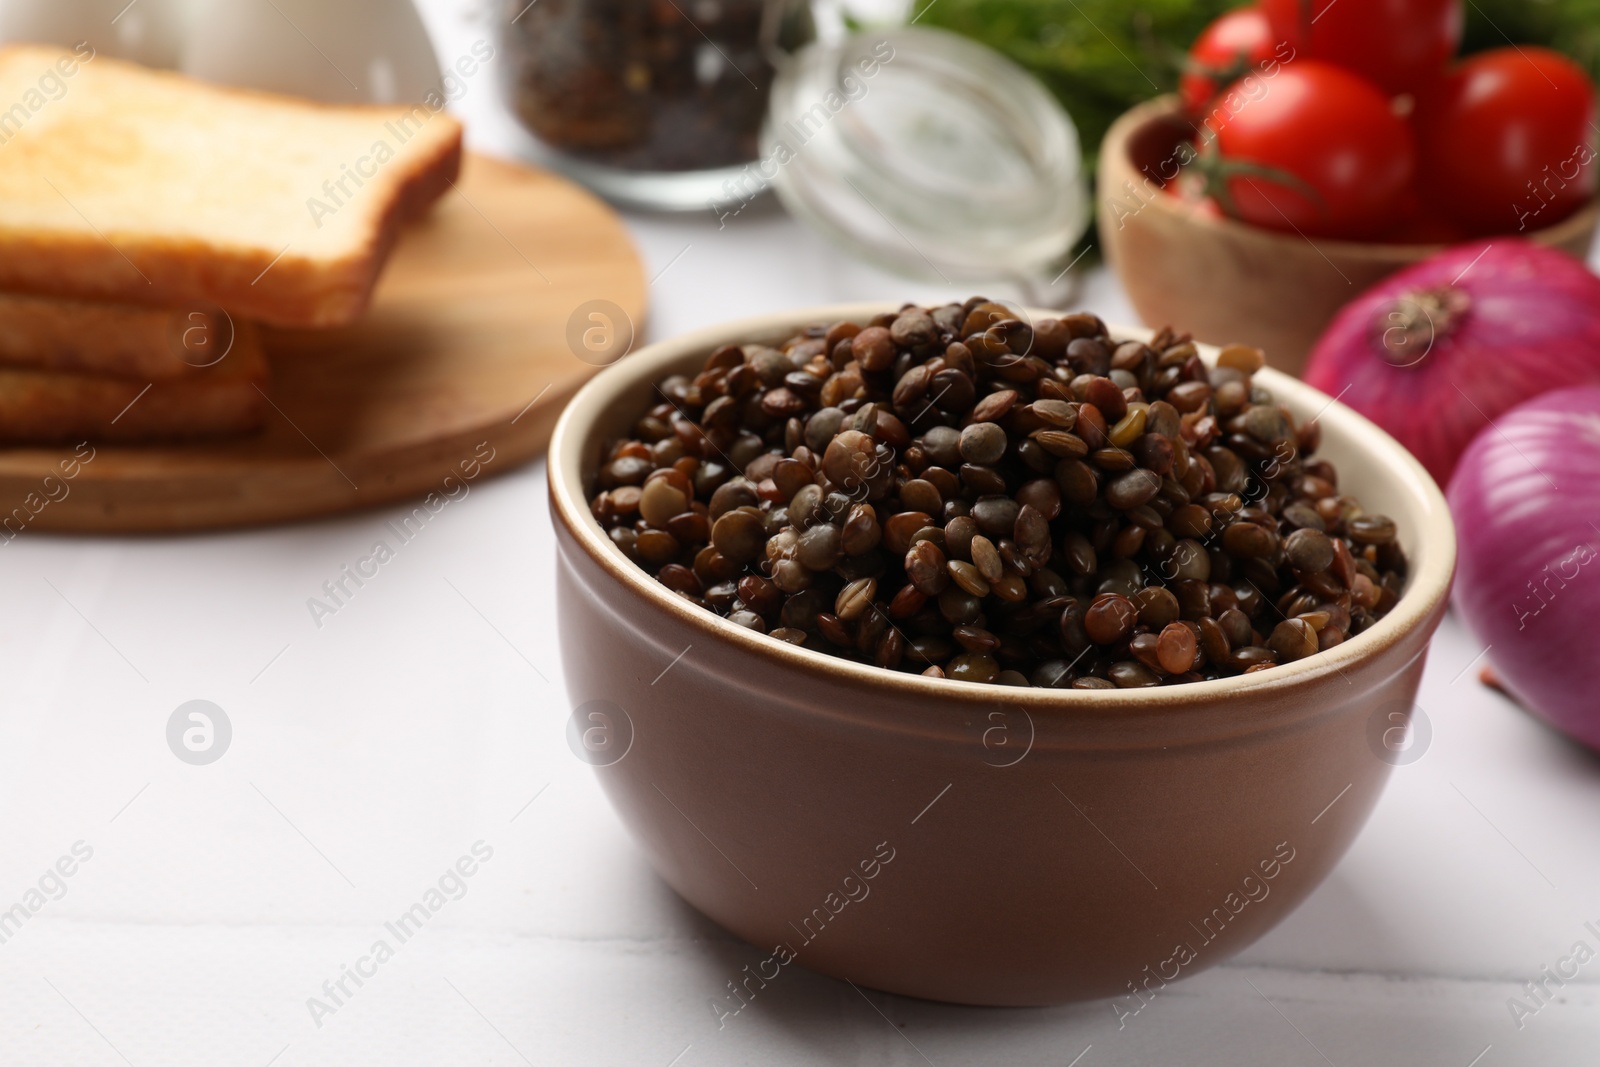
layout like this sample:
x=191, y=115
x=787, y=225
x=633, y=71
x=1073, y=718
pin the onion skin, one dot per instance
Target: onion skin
x=1526, y=501
x=1436, y=351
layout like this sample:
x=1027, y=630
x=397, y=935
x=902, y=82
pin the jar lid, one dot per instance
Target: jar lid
x=927, y=153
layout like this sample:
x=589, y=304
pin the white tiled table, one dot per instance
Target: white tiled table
x=371, y=753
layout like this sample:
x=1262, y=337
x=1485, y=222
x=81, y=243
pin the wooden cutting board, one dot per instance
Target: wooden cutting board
x=471, y=348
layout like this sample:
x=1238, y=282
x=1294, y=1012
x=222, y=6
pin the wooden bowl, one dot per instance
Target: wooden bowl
x=1226, y=281
x=972, y=843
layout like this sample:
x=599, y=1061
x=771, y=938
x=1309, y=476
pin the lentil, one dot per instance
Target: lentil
x=948, y=492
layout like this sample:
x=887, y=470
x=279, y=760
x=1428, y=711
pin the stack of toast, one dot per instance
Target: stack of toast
x=149, y=222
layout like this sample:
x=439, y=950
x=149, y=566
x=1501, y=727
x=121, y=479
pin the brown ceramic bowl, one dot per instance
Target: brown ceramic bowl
x=962, y=842
x=1225, y=281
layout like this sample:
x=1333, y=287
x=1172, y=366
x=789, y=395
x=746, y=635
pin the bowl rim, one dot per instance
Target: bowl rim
x=1115, y=165
x=1428, y=586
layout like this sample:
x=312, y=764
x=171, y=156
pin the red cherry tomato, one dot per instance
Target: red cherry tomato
x=1193, y=197
x=1398, y=44
x=1419, y=222
x=1237, y=43
x=1507, y=140
x=1343, y=160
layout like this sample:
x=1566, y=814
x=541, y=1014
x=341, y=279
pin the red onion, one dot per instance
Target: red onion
x=1526, y=501
x=1438, y=350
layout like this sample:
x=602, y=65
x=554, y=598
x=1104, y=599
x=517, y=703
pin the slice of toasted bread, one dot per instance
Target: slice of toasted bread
x=122, y=340
x=127, y=184
x=41, y=407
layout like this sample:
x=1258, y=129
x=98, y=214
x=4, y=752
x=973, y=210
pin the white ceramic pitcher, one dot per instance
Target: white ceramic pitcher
x=146, y=31
x=340, y=51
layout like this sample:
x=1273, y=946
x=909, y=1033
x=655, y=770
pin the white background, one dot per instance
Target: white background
x=369, y=754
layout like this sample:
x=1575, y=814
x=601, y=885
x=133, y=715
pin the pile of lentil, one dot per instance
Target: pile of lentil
x=957, y=492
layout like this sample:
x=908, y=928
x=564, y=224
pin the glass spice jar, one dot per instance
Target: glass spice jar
x=928, y=154
x=652, y=103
